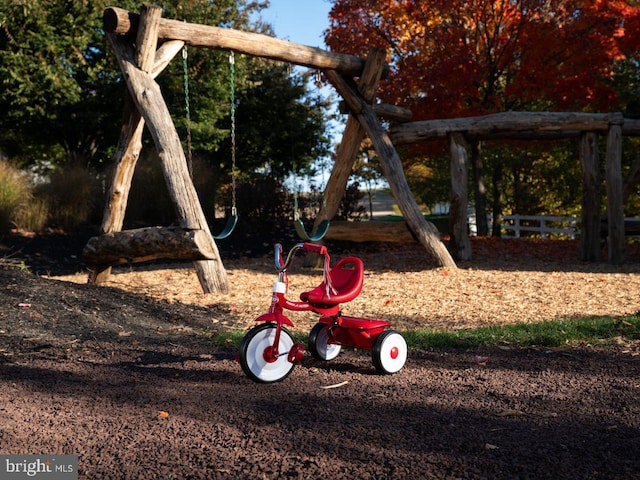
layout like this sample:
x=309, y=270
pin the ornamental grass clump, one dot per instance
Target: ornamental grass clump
x=16, y=197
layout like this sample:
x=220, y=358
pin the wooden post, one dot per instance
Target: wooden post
x=426, y=233
x=351, y=140
x=144, y=244
x=378, y=231
x=515, y=124
x=591, y=201
x=615, y=209
x=480, y=194
x=459, y=197
x=148, y=98
x=130, y=141
x=126, y=157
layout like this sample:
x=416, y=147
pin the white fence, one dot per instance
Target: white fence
x=547, y=225
x=544, y=225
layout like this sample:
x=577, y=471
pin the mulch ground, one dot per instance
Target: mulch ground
x=130, y=381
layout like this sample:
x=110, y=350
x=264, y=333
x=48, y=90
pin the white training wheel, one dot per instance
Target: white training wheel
x=254, y=354
x=319, y=345
x=389, y=352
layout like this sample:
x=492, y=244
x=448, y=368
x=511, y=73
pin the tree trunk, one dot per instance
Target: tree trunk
x=630, y=183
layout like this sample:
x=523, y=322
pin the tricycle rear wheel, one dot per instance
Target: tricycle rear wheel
x=389, y=352
x=319, y=345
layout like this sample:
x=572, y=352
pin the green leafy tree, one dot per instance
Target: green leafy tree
x=62, y=94
x=59, y=94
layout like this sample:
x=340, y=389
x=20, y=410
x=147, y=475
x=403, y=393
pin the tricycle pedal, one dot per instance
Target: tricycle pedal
x=296, y=353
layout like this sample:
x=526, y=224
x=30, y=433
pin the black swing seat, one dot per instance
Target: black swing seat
x=228, y=228
x=320, y=232
x=345, y=283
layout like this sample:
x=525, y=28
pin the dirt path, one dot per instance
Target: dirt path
x=130, y=381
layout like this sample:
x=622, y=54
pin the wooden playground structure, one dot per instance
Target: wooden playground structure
x=135, y=39
x=145, y=44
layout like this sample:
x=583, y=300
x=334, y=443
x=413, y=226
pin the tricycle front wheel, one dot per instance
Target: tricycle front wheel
x=256, y=357
x=389, y=352
x=319, y=345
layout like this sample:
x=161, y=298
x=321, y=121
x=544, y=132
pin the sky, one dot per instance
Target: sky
x=299, y=21
x=303, y=21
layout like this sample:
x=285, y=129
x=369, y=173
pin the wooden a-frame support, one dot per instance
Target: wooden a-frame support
x=363, y=119
x=145, y=105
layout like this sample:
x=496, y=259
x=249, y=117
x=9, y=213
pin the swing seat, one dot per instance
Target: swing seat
x=322, y=230
x=345, y=283
x=228, y=228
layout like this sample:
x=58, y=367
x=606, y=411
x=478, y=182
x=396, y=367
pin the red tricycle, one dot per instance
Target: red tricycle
x=268, y=352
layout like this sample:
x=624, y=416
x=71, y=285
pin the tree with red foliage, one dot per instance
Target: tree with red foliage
x=455, y=58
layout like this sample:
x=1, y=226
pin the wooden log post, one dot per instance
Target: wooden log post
x=129, y=144
x=461, y=245
x=145, y=244
x=125, y=160
x=392, y=113
x=480, y=194
x=591, y=201
x=148, y=98
x=426, y=233
x=351, y=140
x=615, y=209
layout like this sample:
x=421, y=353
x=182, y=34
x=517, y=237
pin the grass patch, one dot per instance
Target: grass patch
x=601, y=331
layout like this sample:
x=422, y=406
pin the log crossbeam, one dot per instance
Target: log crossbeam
x=122, y=22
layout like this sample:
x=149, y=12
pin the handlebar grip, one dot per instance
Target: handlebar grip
x=278, y=257
x=312, y=247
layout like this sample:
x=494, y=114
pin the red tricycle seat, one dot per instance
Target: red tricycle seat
x=345, y=279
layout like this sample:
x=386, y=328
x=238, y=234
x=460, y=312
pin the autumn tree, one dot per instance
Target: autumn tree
x=454, y=58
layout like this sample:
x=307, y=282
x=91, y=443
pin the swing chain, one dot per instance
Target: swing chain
x=232, y=70
x=187, y=109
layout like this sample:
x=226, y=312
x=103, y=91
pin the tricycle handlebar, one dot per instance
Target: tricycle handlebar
x=282, y=265
x=312, y=247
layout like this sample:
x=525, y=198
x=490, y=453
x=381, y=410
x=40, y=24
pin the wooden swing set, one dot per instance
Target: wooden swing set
x=134, y=39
